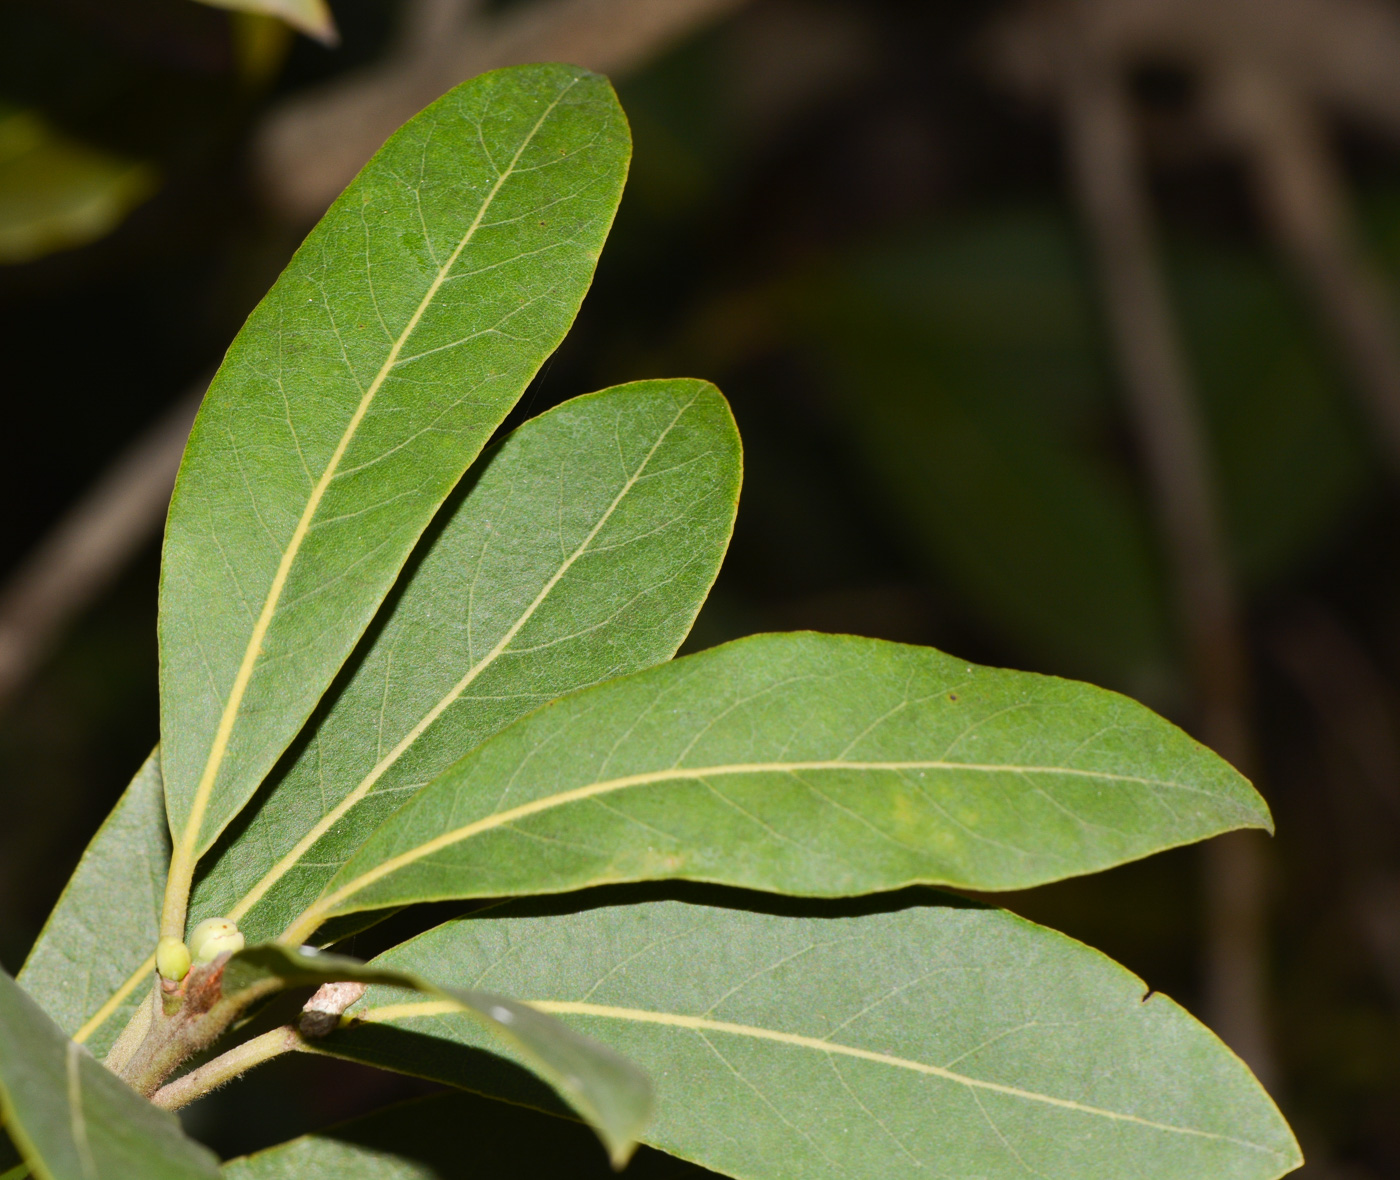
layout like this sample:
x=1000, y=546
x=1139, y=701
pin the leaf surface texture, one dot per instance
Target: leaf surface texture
x=402, y=332
x=92, y=962
x=943, y=1040
x=808, y=764
x=71, y=1118
x=578, y=550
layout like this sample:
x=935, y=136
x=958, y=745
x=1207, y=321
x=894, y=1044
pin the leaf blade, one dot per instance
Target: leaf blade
x=97, y=946
x=318, y=457
x=866, y=1047
x=552, y=571
x=71, y=1118
x=611, y=1094
x=809, y=764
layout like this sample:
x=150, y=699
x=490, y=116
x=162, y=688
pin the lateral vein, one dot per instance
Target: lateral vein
x=323, y=825
x=327, y=904
x=187, y=850
x=392, y=1012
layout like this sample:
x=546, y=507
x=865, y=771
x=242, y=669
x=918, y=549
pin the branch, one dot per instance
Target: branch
x=224, y=1068
x=320, y=1016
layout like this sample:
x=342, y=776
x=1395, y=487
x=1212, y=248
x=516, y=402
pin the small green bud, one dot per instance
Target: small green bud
x=172, y=959
x=212, y=937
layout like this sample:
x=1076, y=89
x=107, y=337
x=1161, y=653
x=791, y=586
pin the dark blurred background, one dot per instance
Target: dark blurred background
x=1063, y=337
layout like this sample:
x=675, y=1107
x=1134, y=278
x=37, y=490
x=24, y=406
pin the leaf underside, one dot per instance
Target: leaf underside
x=578, y=550
x=806, y=764
x=611, y=1094
x=103, y=930
x=71, y=1118
x=395, y=342
x=946, y=1040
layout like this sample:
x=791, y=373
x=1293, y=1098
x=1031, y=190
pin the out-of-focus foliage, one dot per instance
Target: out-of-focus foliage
x=965, y=359
x=312, y=17
x=56, y=192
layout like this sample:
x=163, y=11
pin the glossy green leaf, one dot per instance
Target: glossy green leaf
x=578, y=550
x=71, y=1118
x=360, y=389
x=423, y=1140
x=57, y=193
x=803, y=763
x=940, y=1040
x=92, y=962
x=607, y=1090
x=312, y=17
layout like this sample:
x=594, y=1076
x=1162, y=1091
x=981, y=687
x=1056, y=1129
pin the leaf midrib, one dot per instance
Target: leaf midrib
x=186, y=851
x=323, y=908
x=391, y=1012
x=322, y=826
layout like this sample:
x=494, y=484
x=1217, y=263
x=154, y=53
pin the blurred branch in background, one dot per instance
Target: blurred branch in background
x=1301, y=197
x=1062, y=50
x=308, y=150
x=1357, y=711
x=311, y=147
x=90, y=546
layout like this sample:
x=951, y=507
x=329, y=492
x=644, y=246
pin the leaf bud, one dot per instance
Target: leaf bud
x=212, y=937
x=172, y=959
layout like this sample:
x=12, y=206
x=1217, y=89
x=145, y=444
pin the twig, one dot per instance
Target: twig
x=90, y=546
x=227, y=1066
x=320, y=1016
x=309, y=149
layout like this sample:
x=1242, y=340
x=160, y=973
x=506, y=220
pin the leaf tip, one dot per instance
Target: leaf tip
x=319, y=25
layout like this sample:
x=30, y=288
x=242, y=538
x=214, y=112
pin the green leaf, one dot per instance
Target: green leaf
x=71, y=1118
x=423, y=1140
x=944, y=1039
x=311, y=17
x=606, y=1089
x=578, y=550
x=57, y=193
x=803, y=763
x=96, y=951
x=360, y=389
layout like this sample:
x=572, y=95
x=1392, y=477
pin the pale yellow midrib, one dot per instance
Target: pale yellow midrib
x=390, y=1012
x=77, y=1121
x=99, y=1018
x=186, y=852
x=288, y=862
x=325, y=905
